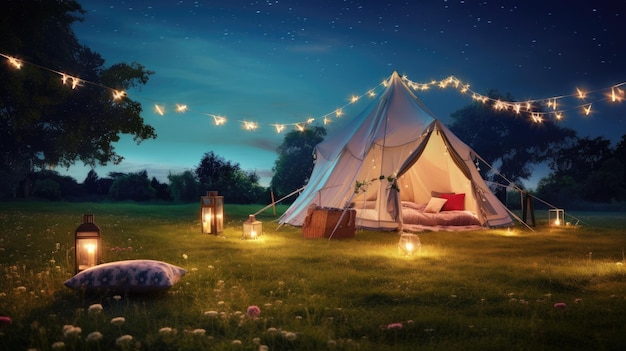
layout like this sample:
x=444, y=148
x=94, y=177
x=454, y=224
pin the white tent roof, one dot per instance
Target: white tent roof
x=396, y=136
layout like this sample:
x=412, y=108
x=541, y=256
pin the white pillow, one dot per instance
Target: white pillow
x=435, y=204
x=134, y=276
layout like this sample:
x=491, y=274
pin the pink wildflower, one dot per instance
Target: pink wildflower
x=394, y=326
x=560, y=305
x=253, y=311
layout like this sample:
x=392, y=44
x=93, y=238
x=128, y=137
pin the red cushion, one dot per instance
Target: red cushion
x=456, y=202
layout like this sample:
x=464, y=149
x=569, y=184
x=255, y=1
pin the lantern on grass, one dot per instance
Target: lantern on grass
x=212, y=213
x=556, y=217
x=408, y=244
x=87, y=245
x=252, y=228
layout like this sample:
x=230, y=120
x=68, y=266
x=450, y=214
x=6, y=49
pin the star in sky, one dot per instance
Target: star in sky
x=278, y=61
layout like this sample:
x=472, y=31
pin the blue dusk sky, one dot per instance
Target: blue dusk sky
x=283, y=62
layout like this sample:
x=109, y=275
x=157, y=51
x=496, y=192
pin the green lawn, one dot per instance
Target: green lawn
x=506, y=289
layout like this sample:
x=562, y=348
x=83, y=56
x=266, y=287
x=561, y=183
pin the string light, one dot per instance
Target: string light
x=14, y=62
x=279, y=128
x=181, y=108
x=218, y=120
x=159, y=109
x=118, y=94
x=616, y=94
x=250, y=125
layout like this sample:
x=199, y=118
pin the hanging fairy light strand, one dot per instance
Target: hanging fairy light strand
x=537, y=109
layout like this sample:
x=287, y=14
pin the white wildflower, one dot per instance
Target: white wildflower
x=211, y=314
x=118, y=321
x=94, y=336
x=165, y=331
x=198, y=332
x=236, y=342
x=95, y=309
x=291, y=336
x=59, y=345
x=185, y=256
x=71, y=331
x=123, y=340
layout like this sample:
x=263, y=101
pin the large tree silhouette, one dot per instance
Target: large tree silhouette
x=295, y=159
x=511, y=142
x=45, y=123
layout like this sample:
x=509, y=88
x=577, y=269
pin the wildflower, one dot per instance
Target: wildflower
x=94, y=309
x=165, y=331
x=578, y=300
x=118, y=321
x=123, y=340
x=59, y=345
x=272, y=330
x=4, y=320
x=560, y=305
x=394, y=326
x=291, y=336
x=256, y=341
x=236, y=342
x=185, y=256
x=21, y=288
x=94, y=336
x=253, y=311
x=211, y=314
x=71, y=331
x=198, y=332
x=117, y=297
x=263, y=348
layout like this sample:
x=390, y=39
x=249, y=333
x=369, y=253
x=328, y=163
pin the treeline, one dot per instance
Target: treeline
x=213, y=173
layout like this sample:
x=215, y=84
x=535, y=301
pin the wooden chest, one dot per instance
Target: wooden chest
x=320, y=223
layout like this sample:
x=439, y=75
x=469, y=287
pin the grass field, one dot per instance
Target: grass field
x=506, y=289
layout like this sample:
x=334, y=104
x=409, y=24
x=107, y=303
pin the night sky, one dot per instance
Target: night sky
x=286, y=61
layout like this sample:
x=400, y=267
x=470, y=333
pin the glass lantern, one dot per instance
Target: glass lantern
x=408, y=244
x=556, y=217
x=252, y=228
x=87, y=246
x=212, y=213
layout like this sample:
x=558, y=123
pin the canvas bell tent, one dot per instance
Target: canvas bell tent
x=393, y=153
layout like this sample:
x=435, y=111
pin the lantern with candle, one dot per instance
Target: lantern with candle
x=252, y=228
x=87, y=246
x=408, y=244
x=556, y=217
x=212, y=213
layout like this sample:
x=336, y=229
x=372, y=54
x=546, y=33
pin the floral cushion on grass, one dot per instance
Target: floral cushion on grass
x=134, y=276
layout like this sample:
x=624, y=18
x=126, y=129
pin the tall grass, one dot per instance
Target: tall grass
x=506, y=289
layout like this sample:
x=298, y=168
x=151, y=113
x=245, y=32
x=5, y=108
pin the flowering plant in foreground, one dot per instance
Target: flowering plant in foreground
x=253, y=311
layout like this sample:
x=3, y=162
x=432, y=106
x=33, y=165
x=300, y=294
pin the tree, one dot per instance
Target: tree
x=237, y=185
x=295, y=160
x=133, y=186
x=45, y=123
x=587, y=169
x=184, y=187
x=509, y=141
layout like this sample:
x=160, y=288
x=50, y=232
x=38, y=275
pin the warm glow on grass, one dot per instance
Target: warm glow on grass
x=460, y=290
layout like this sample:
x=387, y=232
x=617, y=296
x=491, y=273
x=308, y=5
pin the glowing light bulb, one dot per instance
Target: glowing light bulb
x=279, y=127
x=218, y=120
x=159, y=109
x=354, y=99
x=118, y=94
x=181, y=108
x=581, y=94
x=14, y=62
x=587, y=110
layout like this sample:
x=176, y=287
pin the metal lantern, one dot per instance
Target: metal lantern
x=212, y=213
x=556, y=217
x=87, y=245
x=408, y=244
x=252, y=228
